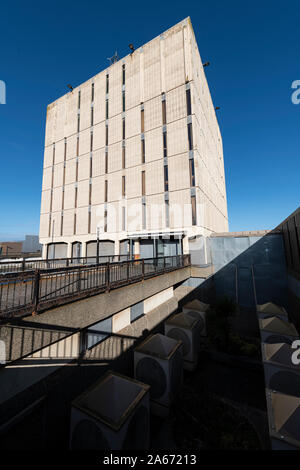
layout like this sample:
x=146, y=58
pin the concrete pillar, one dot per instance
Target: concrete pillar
x=117, y=247
x=69, y=250
x=136, y=247
x=44, y=251
x=83, y=249
x=185, y=245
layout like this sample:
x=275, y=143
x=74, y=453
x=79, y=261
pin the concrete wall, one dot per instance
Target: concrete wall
x=233, y=259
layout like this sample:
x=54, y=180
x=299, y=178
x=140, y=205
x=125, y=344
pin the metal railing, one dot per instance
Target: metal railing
x=29, y=265
x=35, y=291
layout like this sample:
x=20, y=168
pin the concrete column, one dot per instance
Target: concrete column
x=44, y=251
x=83, y=249
x=117, y=247
x=69, y=250
x=136, y=247
x=185, y=245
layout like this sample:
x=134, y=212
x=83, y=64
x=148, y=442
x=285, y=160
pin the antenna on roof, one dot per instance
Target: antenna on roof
x=131, y=47
x=114, y=58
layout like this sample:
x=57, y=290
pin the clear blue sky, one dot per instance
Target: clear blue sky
x=253, y=47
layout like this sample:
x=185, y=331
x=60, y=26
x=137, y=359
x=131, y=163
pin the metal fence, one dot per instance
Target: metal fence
x=32, y=264
x=34, y=291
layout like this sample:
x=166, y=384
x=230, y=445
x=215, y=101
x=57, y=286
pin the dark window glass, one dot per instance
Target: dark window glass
x=190, y=136
x=123, y=101
x=77, y=147
x=106, y=162
x=164, y=113
x=123, y=128
x=188, y=103
x=106, y=110
x=142, y=121
x=143, y=150
x=92, y=116
x=79, y=96
x=74, y=224
x=165, y=144
x=93, y=92
x=192, y=172
x=92, y=138
x=123, y=74
x=107, y=83
x=106, y=135
x=123, y=186
x=166, y=176
x=143, y=184
x=78, y=123
x=123, y=158
x=194, y=218
x=167, y=213
x=105, y=190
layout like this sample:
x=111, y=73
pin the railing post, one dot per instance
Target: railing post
x=128, y=270
x=36, y=291
x=143, y=269
x=164, y=263
x=79, y=279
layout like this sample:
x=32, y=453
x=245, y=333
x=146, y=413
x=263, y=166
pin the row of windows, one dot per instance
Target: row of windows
x=165, y=150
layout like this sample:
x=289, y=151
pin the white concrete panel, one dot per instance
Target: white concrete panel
x=83, y=193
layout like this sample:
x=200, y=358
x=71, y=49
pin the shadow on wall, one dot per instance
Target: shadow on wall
x=248, y=269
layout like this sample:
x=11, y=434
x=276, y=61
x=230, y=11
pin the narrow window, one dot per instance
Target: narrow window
x=190, y=136
x=123, y=74
x=164, y=113
x=79, y=96
x=167, y=213
x=165, y=143
x=63, y=198
x=91, y=166
x=93, y=92
x=92, y=116
x=143, y=150
x=78, y=122
x=194, y=218
x=106, y=162
x=53, y=155
x=89, y=219
x=76, y=175
x=90, y=193
x=91, y=146
x=106, y=110
x=75, y=197
x=123, y=186
x=74, y=228
x=65, y=150
x=166, y=177
x=192, y=172
x=123, y=219
x=142, y=121
x=105, y=190
x=77, y=146
x=123, y=128
x=144, y=215
x=188, y=102
x=61, y=224
x=123, y=158
x=143, y=184
x=107, y=83
x=49, y=227
x=105, y=220
x=123, y=101
x=106, y=135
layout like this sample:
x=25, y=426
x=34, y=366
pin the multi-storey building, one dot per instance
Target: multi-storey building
x=134, y=156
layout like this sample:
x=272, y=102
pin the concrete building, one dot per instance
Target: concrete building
x=135, y=155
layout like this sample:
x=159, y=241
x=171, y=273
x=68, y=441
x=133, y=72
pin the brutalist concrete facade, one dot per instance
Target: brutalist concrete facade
x=137, y=152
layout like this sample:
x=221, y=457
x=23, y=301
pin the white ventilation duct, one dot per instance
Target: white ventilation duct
x=280, y=372
x=276, y=326
x=284, y=418
x=113, y=414
x=158, y=362
x=187, y=329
